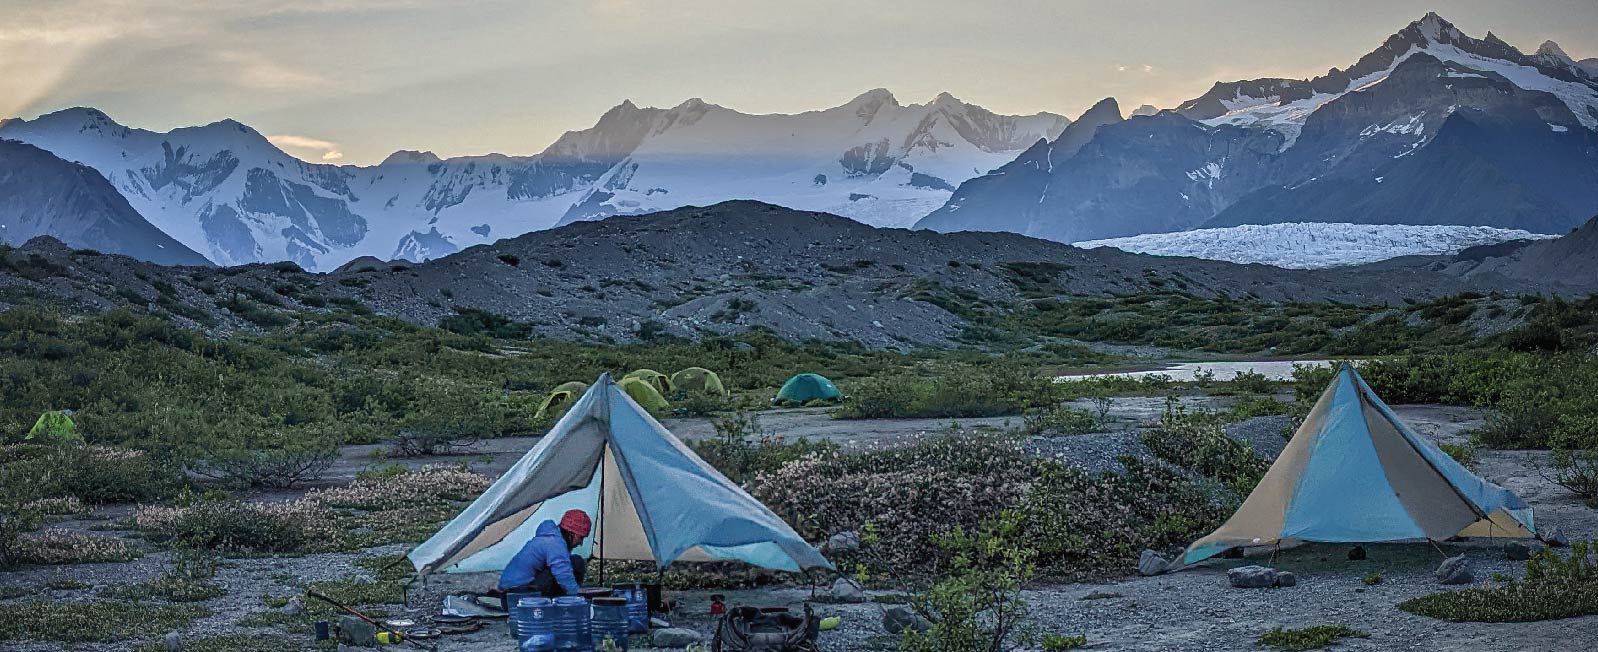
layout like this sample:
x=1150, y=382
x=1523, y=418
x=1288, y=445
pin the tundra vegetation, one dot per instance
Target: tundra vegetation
x=190, y=426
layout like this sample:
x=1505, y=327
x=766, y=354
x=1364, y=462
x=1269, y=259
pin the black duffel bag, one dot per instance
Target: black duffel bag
x=749, y=629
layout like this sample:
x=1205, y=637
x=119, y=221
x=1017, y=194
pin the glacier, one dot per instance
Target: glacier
x=1314, y=245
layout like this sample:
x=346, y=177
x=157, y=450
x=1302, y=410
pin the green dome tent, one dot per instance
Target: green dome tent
x=805, y=388
x=563, y=394
x=644, y=394
x=698, y=379
x=54, y=427
x=661, y=382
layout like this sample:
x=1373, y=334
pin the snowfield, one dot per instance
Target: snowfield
x=1300, y=245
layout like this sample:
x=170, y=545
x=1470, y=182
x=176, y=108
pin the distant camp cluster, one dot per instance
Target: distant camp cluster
x=654, y=391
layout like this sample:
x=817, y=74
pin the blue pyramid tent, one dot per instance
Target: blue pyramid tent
x=651, y=499
x=1354, y=473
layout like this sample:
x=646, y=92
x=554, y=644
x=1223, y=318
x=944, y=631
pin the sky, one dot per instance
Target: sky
x=351, y=81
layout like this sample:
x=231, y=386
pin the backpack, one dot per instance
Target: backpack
x=748, y=629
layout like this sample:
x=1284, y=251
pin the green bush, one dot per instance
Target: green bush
x=56, y=546
x=741, y=449
x=1309, y=638
x=956, y=395
x=1577, y=472
x=1060, y=419
x=235, y=526
x=1198, y=442
x=976, y=605
x=1555, y=587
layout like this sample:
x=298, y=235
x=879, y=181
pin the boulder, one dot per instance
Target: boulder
x=899, y=618
x=846, y=591
x=293, y=608
x=1357, y=553
x=1556, y=538
x=842, y=542
x=674, y=637
x=356, y=632
x=1285, y=578
x=1151, y=563
x=174, y=643
x=1252, y=577
x=1520, y=551
x=1455, y=570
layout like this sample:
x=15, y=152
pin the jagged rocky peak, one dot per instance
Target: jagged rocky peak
x=1146, y=109
x=1552, y=51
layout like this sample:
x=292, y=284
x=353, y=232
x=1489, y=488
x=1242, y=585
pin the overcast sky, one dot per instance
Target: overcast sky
x=353, y=80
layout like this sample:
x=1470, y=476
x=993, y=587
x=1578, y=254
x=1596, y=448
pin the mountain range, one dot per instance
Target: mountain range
x=226, y=191
x=1434, y=127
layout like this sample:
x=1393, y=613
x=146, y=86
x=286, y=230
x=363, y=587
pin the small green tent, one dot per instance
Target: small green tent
x=644, y=394
x=563, y=395
x=661, y=382
x=698, y=379
x=805, y=388
x=54, y=427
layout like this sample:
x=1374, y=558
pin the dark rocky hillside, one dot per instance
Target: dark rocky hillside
x=722, y=269
x=41, y=194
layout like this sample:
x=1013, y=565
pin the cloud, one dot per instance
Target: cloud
x=1148, y=68
x=325, y=149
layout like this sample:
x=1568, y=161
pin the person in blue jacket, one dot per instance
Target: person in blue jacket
x=546, y=565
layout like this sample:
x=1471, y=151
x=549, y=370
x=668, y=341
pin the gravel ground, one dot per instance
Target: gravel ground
x=1191, y=610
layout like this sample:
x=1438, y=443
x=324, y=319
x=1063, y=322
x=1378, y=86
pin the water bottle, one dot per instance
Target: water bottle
x=535, y=631
x=573, y=632
x=637, y=606
x=610, y=623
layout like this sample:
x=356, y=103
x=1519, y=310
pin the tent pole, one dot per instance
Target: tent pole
x=599, y=514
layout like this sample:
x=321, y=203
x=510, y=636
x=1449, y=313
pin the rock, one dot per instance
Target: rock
x=842, y=542
x=174, y=643
x=846, y=591
x=1285, y=578
x=357, y=632
x=1252, y=577
x=1455, y=570
x=1151, y=563
x=1518, y=551
x=1357, y=553
x=674, y=637
x=899, y=618
x=293, y=608
x=1556, y=538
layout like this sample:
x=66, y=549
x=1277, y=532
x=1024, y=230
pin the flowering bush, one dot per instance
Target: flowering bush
x=67, y=547
x=907, y=494
x=404, y=489
x=90, y=474
x=236, y=525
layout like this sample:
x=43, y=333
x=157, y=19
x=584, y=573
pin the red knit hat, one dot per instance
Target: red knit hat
x=576, y=522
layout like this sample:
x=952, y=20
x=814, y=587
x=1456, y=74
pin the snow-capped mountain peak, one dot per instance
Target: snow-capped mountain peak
x=223, y=189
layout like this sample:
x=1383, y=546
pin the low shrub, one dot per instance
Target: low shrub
x=742, y=449
x=354, y=593
x=93, y=622
x=1086, y=526
x=956, y=394
x=52, y=547
x=236, y=526
x=187, y=580
x=1555, y=587
x=1198, y=442
x=89, y=474
x=278, y=468
x=1060, y=419
x=426, y=486
x=1577, y=472
x=1309, y=638
x=1465, y=454
x=908, y=494
x=976, y=605
x=14, y=523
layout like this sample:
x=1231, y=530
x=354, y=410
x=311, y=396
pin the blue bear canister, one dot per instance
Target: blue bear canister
x=610, y=621
x=637, y=606
x=571, y=623
x=535, y=629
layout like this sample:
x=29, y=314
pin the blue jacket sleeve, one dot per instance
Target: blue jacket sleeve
x=560, y=565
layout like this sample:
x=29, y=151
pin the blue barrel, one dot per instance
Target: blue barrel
x=637, y=606
x=610, y=623
x=535, y=630
x=573, y=633
x=511, y=600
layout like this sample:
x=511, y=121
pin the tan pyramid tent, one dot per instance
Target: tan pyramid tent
x=1354, y=473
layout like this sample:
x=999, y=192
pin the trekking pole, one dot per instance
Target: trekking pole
x=351, y=611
